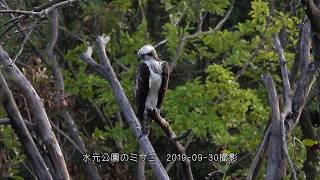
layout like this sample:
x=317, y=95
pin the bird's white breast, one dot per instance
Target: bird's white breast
x=155, y=80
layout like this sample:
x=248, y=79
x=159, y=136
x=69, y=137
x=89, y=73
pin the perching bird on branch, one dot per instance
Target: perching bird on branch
x=151, y=84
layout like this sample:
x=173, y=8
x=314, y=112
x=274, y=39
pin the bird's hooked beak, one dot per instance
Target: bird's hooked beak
x=140, y=57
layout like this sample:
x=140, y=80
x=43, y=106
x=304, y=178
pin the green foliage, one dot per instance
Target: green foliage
x=171, y=33
x=13, y=148
x=310, y=142
x=215, y=107
x=117, y=133
x=217, y=6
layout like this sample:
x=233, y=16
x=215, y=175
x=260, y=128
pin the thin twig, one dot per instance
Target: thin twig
x=225, y=18
x=37, y=13
x=5, y=121
x=67, y=137
x=8, y=29
x=182, y=136
x=25, y=40
x=260, y=153
x=13, y=20
x=284, y=148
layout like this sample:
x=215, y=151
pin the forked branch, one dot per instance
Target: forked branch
x=165, y=126
x=105, y=70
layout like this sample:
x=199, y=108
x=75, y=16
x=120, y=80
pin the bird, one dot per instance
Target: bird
x=151, y=84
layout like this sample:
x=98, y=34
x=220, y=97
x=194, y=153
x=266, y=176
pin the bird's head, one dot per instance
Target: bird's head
x=147, y=51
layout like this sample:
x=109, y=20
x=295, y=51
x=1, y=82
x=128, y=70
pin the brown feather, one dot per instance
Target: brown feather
x=164, y=84
x=142, y=88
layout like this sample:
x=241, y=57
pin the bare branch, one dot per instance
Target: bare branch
x=284, y=147
x=52, y=63
x=178, y=54
x=252, y=55
x=287, y=100
x=108, y=73
x=186, y=145
x=302, y=57
x=13, y=20
x=226, y=16
x=165, y=126
x=20, y=128
x=102, y=42
x=304, y=49
x=275, y=167
x=259, y=155
x=38, y=112
x=182, y=136
x=37, y=13
x=160, y=43
x=74, y=144
x=6, y=121
x=26, y=39
x=13, y=24
x=86, y=56
x=28, y=13
x=284, y=74
x=45, y=6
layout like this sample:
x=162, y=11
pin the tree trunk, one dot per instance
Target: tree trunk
x=18, y=124
x=38, y=114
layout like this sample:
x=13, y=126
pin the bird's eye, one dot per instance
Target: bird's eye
x=150, y=54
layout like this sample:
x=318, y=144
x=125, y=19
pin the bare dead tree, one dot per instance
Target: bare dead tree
x=39, y=167
x=282, y=124
x=38, y=113
x=105, y=70
x=51, y=61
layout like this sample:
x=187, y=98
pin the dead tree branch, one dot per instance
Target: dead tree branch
x=18, y=124
x=287, y=99
x=275, y=167
x=165, y=126
x=38, y=113
x=303, y=52
x=260, y=155
x=108, y=73
x=26, y=39
x=284, y=73
x=292, y=108
x=52, y=63
x=226, y=16
x=40, y=11
x=6, y=121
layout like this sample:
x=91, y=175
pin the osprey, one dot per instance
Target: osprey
x=150, y=85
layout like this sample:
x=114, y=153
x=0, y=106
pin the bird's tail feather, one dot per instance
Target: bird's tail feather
x=146, y=125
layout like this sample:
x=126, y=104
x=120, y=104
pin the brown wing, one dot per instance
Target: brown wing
x=164, y=84
x=142, y=88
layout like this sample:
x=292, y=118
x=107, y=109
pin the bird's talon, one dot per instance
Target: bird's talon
x=156, y=110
